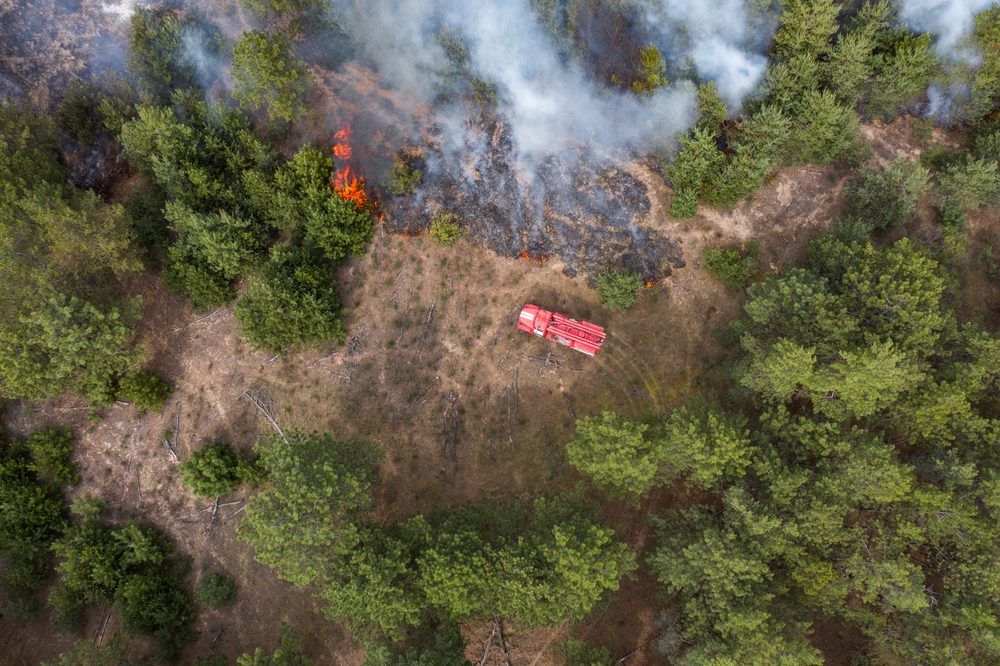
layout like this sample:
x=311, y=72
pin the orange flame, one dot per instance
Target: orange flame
x=527, y=257
x=351, y=188
x=650, y=283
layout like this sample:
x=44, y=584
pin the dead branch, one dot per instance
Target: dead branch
x=234, y=514
x=323, y=360
x=128, y=468
x=177, y=427
x=489, y=646
x=214, y=517
x=427, y=324
x=635, y=651
x=171, y=451
x=138, y=486
x=357, y=342
x=498, y=623
x=262, y=404
x=199, y=319
x=406, y=314
x=217, y=505
x=452, y=422
x=102, y=625
x=567, y=398
x=517, y=395
x=218, y=635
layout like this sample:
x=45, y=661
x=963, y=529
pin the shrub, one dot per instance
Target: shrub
x=266, y=73
x=280, y=6
x=78, y=113
x=130, y=566
x=293, y=301
x=652, y=72
x=404, y=179
x=289, y=652
x=886, y=198
x=211, y=661
x=52, y=451
x=157, y=50
x=88, y=507
x=579, y=653
x=618, y=290
x=212, y=470
x=145, y=390
x=86, y=653
x=733, y=266
x=827, y=131
x=964, y=187
x=684, y=203
x=203, y=287
x=214, y=590
x=144, y=209
x=31, y=515
x=444, y=229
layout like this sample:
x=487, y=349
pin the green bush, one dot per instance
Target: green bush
x=579, y=653
x=86, y=653
x=966, y=186
x=289, y=652
x=652, y=71
x=157, y=50
x=278, y=7
x=211, y=661
x=267, y=74
x=152, y=603
x=684, y=203
x=144, y=209
x=214, y=590
x=826, y=131
x=131, y=567
x=444, y=229
x=77, y=114
x=293, y=301
x=51, y=451
x=145, y=390
x=88, y=507
x=404, y=179
x=31, y=515
x=886, y=198
x=735, y=267
x=203, y=287
x=618, y=290
x=212, y=470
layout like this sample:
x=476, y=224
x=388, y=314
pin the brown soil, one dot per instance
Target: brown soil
x=425, y=321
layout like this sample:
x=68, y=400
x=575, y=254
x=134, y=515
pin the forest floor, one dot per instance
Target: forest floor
x=432, y=339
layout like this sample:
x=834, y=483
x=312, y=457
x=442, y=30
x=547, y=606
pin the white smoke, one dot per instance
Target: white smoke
x=951, y=22
x=122, y=9
x=213, y=72
x=549, y=101
x=723, y=41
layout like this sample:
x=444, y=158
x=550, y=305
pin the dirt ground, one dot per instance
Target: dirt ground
x=430, y=326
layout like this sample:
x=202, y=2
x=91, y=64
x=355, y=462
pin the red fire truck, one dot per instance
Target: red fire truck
x=578, y=335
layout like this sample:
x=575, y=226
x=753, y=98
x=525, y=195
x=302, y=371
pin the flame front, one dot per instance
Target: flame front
x=350, y=187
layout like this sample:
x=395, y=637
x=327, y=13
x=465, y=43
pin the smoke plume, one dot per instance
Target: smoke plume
x=723, y=41
x=550, y=101
x=950, y=21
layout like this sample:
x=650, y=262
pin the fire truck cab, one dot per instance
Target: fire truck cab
x=582, y=336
